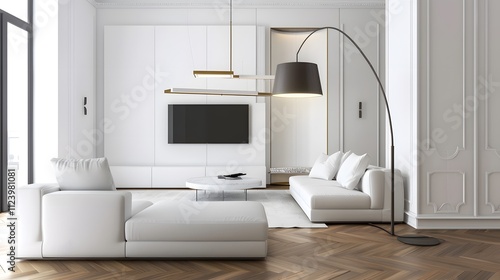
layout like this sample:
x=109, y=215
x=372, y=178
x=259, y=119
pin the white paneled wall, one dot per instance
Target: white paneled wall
x=140, y=62
x=449, y=66
x=446, y=131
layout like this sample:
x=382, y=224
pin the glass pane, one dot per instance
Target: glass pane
x=17, y=8
x=17, y=101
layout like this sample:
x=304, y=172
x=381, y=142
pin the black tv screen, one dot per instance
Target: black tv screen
x=208, y=123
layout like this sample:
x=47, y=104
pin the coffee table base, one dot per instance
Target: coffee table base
x=218, y=184
x=196, y=194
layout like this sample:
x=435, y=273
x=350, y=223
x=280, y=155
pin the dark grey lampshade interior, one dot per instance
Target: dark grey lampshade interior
x=297, y=78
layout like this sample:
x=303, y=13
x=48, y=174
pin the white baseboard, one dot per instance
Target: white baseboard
x=451, y=222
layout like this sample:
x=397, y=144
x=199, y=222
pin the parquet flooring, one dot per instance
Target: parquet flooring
x=339, y=252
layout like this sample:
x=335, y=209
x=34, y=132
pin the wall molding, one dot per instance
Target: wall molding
x=445, y=206
x=379, y=94
x=293, y=4
x=429, y=147
x=495, y=209
x=488, y=147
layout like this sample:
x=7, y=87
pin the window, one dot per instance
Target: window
x=16, y=82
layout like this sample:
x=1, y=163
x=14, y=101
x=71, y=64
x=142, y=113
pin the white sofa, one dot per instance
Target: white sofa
x=327, y=201
x=109, y=224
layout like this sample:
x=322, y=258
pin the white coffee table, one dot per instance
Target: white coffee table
x=216, y=184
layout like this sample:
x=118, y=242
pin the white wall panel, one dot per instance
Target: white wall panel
x=178, y=51
x=402, y=91
x=490, y=82
x=448, y=47
x=131, y=176
x=488, y=113
x=175, y=177
x=244, y=59
x=77, y=80
x=299, y=126
x=446, y=91
x=129, y=75
x=363, y=134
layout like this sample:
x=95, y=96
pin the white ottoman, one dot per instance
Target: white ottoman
x=202, y=229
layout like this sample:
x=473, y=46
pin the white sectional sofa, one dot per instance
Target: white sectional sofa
x=327, y=201
x=109, y=224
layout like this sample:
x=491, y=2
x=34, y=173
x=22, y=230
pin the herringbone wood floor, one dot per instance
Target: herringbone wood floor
x=338, y=252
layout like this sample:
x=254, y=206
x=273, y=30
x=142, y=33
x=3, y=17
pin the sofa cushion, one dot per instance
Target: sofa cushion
x=199, y=221
x=324, y=194
x=139, y=205
x=351, y=170
x=326, y=167
x=83, y=174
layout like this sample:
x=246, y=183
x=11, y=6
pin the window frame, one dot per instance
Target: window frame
x=5, y=19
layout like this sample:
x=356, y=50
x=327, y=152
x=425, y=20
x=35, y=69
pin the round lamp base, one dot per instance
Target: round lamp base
x=419, y=240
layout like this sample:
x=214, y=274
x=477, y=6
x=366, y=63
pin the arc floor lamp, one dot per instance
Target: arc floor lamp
x=300, y=79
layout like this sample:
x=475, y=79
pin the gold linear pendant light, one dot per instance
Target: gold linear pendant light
x=213, y=74
x=216, y=92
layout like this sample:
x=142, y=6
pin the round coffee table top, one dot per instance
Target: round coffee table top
x=216, y=184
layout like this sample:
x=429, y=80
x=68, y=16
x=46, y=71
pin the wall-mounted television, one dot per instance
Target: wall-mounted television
x=208, y=123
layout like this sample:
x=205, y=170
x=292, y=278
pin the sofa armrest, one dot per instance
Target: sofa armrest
x=29, y=218
x=377, y=184
x=85, y=223
x=373, y=184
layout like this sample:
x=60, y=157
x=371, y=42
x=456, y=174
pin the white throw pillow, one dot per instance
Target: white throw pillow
x=326, y=167
x=83, y=174
x=345, y=156
x=351, y=170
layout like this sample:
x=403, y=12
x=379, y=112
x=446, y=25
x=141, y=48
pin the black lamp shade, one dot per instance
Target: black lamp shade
x=297, y=79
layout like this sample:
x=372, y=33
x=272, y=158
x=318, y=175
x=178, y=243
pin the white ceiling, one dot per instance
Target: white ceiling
x=238, y=3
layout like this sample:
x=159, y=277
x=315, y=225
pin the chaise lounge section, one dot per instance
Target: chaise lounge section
x=109, y=224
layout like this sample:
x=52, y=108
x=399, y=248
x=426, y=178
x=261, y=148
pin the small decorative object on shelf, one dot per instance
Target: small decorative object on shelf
x=234, y=176
x=290, y=170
